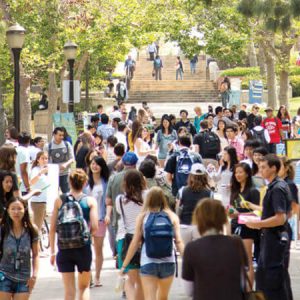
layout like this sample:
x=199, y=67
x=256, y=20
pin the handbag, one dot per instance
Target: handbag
x=135, y=261
x=245, y=281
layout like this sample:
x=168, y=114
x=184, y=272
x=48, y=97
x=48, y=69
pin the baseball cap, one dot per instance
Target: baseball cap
x=130, y=159
x=268, y=109
x=198, y=169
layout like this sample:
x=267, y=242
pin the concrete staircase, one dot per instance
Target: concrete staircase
x=193, y=87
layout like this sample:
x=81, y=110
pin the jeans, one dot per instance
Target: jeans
x=151, y=56
x=193, y=68
x=180, y=73
x=272, y=148
x=162, y=270
x=9, y=286
x=64, y=184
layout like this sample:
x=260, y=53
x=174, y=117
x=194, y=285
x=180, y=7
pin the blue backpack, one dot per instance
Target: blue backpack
x=159, y=234
x=184, y=162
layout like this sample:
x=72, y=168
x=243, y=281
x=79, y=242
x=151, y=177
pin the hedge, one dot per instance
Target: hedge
x=295, y=83
x=241, y=72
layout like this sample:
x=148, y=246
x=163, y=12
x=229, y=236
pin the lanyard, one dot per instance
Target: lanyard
x=17, y=254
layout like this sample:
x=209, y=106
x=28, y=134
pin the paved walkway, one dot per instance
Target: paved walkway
x=49, y=285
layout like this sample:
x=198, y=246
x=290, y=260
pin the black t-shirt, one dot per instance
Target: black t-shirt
x=277, y=199
x=293, y=189
x=190, y=127
x=251, y=195
x=188, y=201
x=80, y=157
x=250, y=121
x=170, y=167
x=210, y=136
x=212, y=263
x=242, y=115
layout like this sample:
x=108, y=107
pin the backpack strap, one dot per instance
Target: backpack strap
x=122, y=212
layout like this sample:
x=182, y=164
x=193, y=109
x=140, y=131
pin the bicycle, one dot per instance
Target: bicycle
x=44, y=241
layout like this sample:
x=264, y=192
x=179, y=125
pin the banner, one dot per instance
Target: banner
x=256, y=90
x=66, y=120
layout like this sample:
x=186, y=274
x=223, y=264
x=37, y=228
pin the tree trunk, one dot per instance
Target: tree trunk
x=261, y=60
x=271, y=79
x=252, y=54
x=3, y=119
x=52, y=99
x=25, y=110
x=284, y=88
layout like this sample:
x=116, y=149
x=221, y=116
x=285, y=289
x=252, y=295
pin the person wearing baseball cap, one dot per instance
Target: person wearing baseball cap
x=115, y=188
x=274, y=127
x=197, y=188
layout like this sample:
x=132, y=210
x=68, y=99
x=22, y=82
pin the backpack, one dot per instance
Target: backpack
x=71, y=227
x=184, y=161
x=122, y=90
x=157, y=63
x=59, y=155
x=260, y=136
x=210, y=144
x=159, y=234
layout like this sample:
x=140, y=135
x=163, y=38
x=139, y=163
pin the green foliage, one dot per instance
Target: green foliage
x=241, y=72
x=295, y=83
x=294, y=70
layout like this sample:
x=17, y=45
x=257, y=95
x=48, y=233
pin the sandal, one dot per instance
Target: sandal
x=97, y=283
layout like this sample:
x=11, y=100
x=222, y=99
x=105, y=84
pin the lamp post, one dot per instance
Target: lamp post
x=70, y=50
x=15, y=39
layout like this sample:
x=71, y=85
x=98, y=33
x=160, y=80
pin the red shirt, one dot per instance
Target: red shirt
x=273, y=125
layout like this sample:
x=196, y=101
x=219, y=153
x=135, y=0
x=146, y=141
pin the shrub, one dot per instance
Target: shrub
x=295, y=83
x=294, y=70
x=241, y=72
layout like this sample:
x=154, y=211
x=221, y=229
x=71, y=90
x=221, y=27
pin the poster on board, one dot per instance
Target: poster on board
x=66, y=120
x=292, y=147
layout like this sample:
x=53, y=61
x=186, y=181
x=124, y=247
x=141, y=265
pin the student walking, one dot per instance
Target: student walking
x=157, y=255
x=157, y=67
x=179, y=68
x=74, y=238
x=19, y=264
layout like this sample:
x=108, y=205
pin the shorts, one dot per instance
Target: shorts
x=161, y=271
x=244, y=232
x=67, y=259
x=101, y=229
x=120, y=261
x=9, y=286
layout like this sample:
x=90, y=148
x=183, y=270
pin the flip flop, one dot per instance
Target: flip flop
x=98, y=284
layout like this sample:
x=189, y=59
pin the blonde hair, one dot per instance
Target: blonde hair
x=155, y=200
x=197, y=108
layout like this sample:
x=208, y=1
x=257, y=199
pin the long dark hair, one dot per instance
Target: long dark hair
x=6, y=224
x=169, y=130
x=262, y=151
x=5, y=197
x=286, y=114
x=235, y=185
x=233, y=158
x=133, y=185
x=104, y=172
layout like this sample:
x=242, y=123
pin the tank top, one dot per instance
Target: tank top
x=147, y=260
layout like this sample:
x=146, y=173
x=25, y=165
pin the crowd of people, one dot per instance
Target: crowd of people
x=159, y=190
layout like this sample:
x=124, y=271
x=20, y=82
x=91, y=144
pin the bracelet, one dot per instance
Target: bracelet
x=53, y=254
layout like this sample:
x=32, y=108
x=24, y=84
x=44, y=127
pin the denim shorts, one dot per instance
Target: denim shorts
x=9, y=286
x=161, y=271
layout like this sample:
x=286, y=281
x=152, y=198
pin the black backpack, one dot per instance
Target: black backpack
x=259, y=135
x=210, y=144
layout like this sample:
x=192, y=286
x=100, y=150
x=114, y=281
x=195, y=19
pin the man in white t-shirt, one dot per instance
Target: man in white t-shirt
x=23, y=161
x=121, y=134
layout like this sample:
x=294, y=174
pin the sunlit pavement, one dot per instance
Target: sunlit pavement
x=49, y=285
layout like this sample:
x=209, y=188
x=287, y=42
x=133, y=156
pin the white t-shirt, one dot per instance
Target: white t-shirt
x=97, y=193
x=23, y=156
x=33, y=151
x=41, y=184
x=121, y=137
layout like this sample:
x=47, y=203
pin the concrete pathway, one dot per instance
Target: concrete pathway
x=49, y=285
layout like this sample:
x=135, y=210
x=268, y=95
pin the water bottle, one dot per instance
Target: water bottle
x=120, y=283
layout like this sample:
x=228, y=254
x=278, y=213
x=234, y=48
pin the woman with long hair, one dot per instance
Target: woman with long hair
x=258, y=154
x=284, y=116
x=287, y=173
x=81, y=257
x=188, y=196
x=128, y=206
x=221, y=133
x=224, y=174
x=166, y=135
x=6, y=191
x=8, y=156
x=243, y=190
x=97, y=183
x=19, y=262
x=85, y=144
x=157, y=274
x=39, y=180
x=214, y=257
